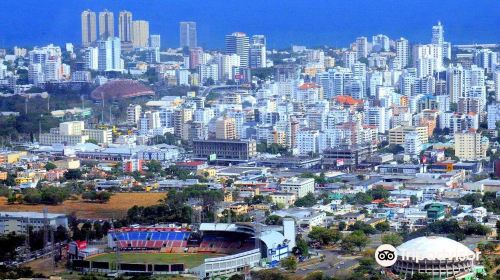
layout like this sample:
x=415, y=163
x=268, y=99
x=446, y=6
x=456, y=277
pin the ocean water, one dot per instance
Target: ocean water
x=284, y=22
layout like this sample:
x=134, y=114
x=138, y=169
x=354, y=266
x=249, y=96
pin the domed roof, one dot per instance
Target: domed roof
x=433, y=248
x=120, y=89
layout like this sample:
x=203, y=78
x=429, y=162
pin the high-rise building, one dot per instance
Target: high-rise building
x=496, y=79
x=225, y=128
x=238, y=43
x=402, y=54
x=133, y=113
x=109, y=54
x=155, y=41
x=438, y=41
x=470, y=145
x=188, y=36
x=362, y=47
x=259, y=39
x=106, y=25
x=125, y=26
x=258, y=55
x=140, y=33
x=195, y=57
x=380, y=43
x=438, y=34
x=89, y=28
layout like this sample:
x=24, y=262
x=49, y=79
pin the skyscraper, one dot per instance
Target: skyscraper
x=402, y=54
x=257, y=54
x=362, y=47
x=238, y=43
x=155, y=41
x=438, y=34
x=259, y=39
x=109, y=54
x=125, y=26
x=106, y=25
x=188, y=36
x=89, y=27
x=140, y=35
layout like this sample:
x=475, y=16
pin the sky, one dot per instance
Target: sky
x=284, y=22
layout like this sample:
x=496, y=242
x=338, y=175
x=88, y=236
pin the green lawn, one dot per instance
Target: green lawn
x=189, y=260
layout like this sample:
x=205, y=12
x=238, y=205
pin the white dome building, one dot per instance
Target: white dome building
x=439, y=257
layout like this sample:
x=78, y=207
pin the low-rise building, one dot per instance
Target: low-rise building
x=19, y=222
x=298, y=186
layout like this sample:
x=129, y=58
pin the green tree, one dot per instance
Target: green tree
x=383, y=226
x=73, y=174
x=395, y=239
x=301, y=247
x=49, y=166
x=324, y=235
x=92, y=141
x=378, y=193
x=342, y=225
x=307, y=201
x=8, y=244
x=362, y=226
x=154, y=166
x=421, y=276
x=356, y=239
x=289, y=263
x=274, y=220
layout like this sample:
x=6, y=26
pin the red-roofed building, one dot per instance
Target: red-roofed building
x=192, y=166
x=308, y=93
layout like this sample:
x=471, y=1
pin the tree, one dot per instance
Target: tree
x=362, y=226
x=8, y=245
x=307, y=201
x=378, y=193
x=324, y=235
x=49, y=166
x=383, y=226
x=274, y=220
x=395, y=239
x=413, y=199
x=342, y=225
x=92, y=141
x=289, y=263
x=301, y=247
x=267, y=274
x=420, y=276
x=73, y=174
x=356, y=239
x=154, y=166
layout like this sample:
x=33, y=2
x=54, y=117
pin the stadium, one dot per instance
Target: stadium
x=211, y=249
x=120, y=89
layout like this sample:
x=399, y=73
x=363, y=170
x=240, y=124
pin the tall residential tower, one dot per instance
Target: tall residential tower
x=89, y=27
x=188, y=36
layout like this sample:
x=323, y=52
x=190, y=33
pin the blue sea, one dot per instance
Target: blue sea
x=284, y=22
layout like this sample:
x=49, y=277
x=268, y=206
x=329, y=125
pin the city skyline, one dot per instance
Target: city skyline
x=282, y=30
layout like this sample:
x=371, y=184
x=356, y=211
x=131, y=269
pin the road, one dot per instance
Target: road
x=206, y=91
x=333, y=264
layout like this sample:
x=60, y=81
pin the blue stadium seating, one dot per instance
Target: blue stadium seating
x=141, y=239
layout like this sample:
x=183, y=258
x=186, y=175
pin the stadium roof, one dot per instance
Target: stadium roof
x=433, y=248
x=218, y=227
x=272, y=238
x=120, y=89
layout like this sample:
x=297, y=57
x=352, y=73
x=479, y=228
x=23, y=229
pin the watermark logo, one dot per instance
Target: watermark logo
x=386, y=255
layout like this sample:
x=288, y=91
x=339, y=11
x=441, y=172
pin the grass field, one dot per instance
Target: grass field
x=189, y=260
x=116, y=207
